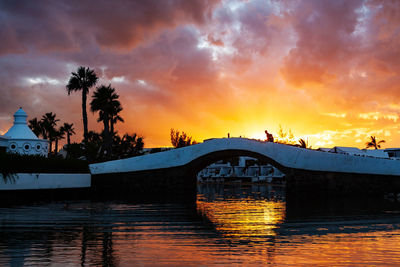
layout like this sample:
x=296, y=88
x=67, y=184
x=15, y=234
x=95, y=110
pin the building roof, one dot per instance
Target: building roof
x=378, y=153
x=20, y=129
x=347, y=150
x=392, y=149
x=325, y=149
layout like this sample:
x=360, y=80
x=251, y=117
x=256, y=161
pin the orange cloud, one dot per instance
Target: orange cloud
x=328, y=70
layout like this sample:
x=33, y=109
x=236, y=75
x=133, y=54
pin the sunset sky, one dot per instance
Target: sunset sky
x=327, y=70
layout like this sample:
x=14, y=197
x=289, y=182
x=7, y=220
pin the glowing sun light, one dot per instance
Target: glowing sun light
x=258, y=135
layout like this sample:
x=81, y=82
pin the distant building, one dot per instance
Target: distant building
x=377, y=153
x=20, y=138
x=347, y=150
x=393, y=152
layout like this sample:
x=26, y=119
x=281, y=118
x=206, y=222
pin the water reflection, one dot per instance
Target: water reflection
x=233, y=224
x=242, y=214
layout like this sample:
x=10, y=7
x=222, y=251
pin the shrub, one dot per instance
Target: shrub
x=16, y=163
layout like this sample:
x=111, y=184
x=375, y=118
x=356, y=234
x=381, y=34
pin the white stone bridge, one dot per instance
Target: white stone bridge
x=304, y=168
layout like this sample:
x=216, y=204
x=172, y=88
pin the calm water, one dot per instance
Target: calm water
x=231, y=225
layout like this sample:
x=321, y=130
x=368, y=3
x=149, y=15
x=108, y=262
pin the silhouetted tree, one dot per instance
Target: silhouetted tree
x=285, y=137
x=49, y=123
x=94, y=145
x=105, y=101
x=68, y=129
x=36, y=126
x=75, y=150
x=82, y=80
x=128, y=145
x=115, y=117
x=90, y=149
x=94, y=137
x=180, y=139
x=303, y=143
x=374, y=143
x=58, y=135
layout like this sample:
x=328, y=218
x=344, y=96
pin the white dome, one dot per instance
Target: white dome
x=20, y=129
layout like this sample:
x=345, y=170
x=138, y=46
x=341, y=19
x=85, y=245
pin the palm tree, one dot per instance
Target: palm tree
x=303, y=143
x=93, y=146
x=82, y=80
x=36, y=126
x=49, y=123
x=373, y=143
x=94, y=137
x=58, y=135
x=105, y=100
x=68, y=129
x=115, y=117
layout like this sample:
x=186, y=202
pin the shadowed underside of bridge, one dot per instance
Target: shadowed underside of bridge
x=179, y=181
x=174, y=172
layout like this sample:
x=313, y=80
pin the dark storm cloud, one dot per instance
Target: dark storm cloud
x=21, y=77
x=44, y=41
x=66, y=25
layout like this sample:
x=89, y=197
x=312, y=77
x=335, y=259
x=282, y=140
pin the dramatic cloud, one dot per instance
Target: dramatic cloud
x=328, y=70
x=325, y=32
x=69, y=25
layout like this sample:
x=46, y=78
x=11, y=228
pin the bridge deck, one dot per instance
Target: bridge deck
x=289, y=157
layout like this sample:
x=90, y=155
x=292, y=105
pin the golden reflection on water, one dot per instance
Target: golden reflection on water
x=344, y=249
x=243, y=219
x=236, y=226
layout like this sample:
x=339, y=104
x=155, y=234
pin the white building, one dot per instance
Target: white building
x=377, y=153
x=21, y=139
x=347, y=150
x=393, y=152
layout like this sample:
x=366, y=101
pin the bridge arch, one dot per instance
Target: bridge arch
x=201, y=162
x=305, y=169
